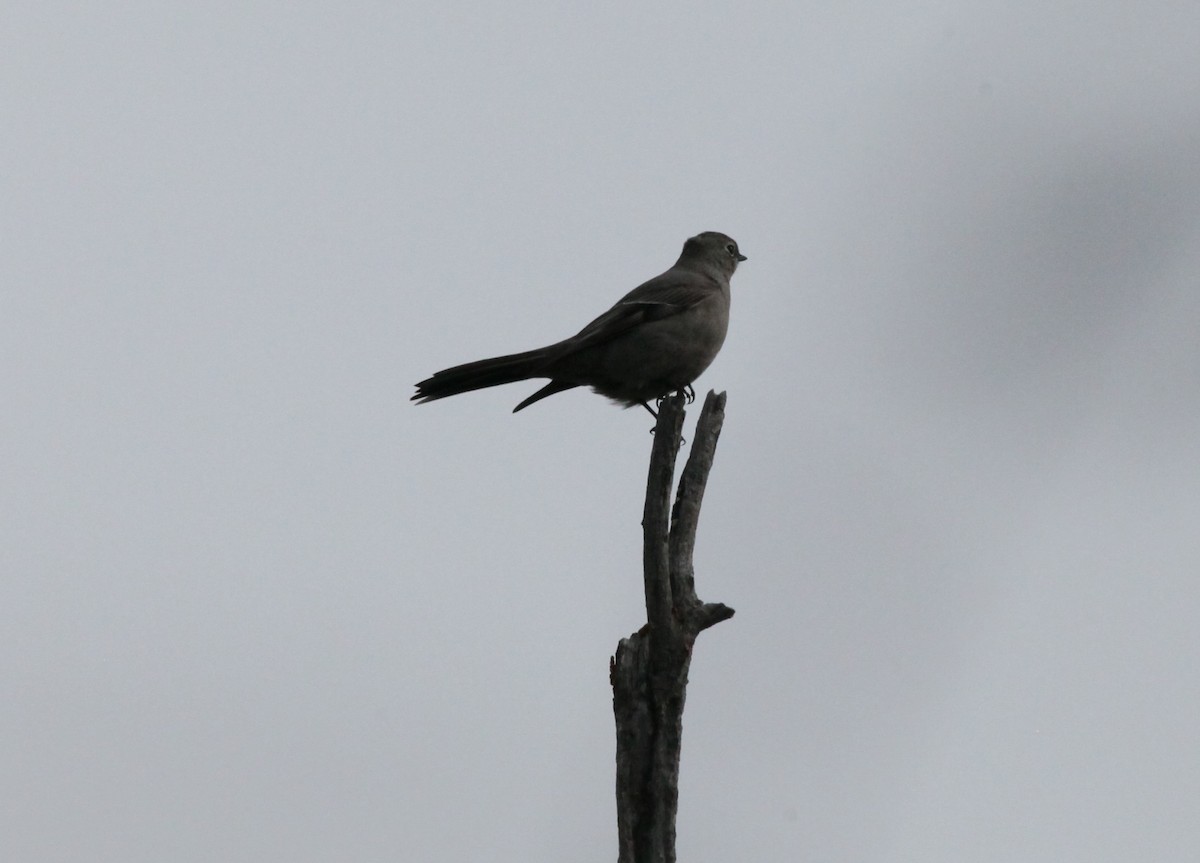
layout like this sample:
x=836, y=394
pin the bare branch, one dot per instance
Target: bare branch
x=655, y=516
x=649, y=670
x=685, y=517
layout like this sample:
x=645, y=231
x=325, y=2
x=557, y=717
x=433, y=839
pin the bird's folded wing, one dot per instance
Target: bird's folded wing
x=658, y=298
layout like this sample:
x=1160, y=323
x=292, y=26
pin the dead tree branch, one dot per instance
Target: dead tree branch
x=650, y=668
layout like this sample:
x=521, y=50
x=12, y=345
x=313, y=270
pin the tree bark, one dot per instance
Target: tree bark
x=649, y=671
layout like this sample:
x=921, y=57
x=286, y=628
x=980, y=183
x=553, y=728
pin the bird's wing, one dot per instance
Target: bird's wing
x=661, y=297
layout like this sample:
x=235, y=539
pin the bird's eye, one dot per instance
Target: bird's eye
x=732, y=249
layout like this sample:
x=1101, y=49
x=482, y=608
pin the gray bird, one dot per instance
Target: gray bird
x=657, y=339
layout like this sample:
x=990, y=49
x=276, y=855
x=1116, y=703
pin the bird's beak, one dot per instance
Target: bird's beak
x=742, y=257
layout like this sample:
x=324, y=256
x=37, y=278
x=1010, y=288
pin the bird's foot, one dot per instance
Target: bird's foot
x=689, y=394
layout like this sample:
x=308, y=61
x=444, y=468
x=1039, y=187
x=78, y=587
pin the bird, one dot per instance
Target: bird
x=655, y=340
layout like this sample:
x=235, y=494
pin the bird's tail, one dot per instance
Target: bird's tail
x=481, y=374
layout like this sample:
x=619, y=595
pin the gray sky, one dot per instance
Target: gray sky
x=256, y=606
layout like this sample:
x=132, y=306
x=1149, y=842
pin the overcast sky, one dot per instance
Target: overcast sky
x=256, y=606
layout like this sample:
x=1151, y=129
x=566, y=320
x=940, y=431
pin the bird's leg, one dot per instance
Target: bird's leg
x=682, y=440
x=652, y=413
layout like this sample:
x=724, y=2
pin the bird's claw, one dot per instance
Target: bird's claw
x=682, y=439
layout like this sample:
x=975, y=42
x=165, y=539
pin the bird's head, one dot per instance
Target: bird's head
x=714, y=249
